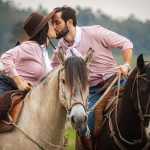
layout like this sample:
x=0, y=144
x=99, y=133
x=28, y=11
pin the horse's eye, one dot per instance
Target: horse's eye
x=63, y=81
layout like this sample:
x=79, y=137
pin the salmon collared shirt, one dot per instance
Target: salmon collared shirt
x=101, y=40
x=25, y=60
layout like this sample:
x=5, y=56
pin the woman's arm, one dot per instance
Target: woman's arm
x=22, y=84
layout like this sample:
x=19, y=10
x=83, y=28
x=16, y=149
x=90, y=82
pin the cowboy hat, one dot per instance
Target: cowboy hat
x=34, y=23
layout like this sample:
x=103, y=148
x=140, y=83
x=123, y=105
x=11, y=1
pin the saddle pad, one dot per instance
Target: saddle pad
x=100, y=110
x=17, y=104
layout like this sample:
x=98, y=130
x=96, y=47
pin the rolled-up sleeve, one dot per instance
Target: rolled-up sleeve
x=111, y=39
x=8, y=61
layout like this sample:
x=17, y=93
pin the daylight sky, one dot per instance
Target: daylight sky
x=114, y=8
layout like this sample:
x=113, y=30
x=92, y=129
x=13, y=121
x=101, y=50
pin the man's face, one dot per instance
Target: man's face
x=59, y=25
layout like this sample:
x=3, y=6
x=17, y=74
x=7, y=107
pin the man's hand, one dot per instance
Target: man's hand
x=124, y=68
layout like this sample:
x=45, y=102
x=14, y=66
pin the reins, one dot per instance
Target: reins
x=104, y=94
x=115, y=108
x=116, y=114
x=112, y=134
x=67, y=105
x=29, y=137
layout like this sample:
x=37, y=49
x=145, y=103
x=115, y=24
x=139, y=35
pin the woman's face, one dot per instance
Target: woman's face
x=51, y=32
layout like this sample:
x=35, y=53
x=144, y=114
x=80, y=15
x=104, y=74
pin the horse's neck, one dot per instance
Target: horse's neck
x=128, y=119
x=126, y=109
x=42, y=114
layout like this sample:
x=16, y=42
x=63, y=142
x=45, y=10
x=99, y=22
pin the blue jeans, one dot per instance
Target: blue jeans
x=93, y=100
x=6, y=84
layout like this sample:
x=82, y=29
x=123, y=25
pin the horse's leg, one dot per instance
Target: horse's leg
x=83, y=143
x=94, y=145
x=78, y=144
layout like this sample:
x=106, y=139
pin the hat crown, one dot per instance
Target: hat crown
x=32, y=22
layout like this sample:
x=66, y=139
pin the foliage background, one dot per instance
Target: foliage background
x=11, y=20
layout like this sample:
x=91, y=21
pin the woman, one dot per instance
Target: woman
x=26, y=63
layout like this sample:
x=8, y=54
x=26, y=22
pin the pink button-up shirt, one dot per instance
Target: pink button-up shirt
x=25, y=60
x=101, y=41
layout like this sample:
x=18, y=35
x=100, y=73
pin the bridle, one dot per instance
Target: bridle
x=68, y=104
x=142, y=115
x=62, y=97
x=140, y=112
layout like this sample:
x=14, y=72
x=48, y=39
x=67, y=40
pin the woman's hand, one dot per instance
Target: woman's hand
x=22, y=84
x=25, y=86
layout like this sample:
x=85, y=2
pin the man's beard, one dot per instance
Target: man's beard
x=62, y=33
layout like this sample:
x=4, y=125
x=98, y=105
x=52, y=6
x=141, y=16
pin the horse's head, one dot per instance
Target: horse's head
x=142, y=82
x=73, y=87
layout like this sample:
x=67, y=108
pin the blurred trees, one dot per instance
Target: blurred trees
x=137, y=31
x=11, y=20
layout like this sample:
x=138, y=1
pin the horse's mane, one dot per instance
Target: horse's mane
x=49, y=76
x=75, y=68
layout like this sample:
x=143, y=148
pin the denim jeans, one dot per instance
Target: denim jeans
x=93, y=100
x=6, y=84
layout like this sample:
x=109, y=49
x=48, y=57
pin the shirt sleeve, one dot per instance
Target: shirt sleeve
x=23, y=52
x=8, y=59
x=110, y=39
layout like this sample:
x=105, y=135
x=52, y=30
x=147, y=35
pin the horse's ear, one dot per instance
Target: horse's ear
x=88, y=56
x=61, y=56
x=140, y=64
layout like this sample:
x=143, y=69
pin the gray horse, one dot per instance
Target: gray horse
x=42, y=120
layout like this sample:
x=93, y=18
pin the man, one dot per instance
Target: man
x=77, y=41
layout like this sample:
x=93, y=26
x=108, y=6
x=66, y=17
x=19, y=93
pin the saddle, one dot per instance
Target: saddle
x=103, y=107
x=11, y=103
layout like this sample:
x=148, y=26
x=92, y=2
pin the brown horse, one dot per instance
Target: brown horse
x=61, y=93
x=128, y=123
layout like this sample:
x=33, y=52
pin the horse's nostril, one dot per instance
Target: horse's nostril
x=72, y=120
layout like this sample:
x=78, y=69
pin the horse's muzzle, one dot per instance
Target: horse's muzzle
x=78, y=117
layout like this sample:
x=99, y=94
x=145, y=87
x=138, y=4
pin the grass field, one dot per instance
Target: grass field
x=71, y=138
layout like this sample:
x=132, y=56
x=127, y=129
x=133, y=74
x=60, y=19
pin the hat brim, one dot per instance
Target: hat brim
x=26, y=37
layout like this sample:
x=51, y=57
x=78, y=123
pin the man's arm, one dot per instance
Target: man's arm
x=127, y=56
